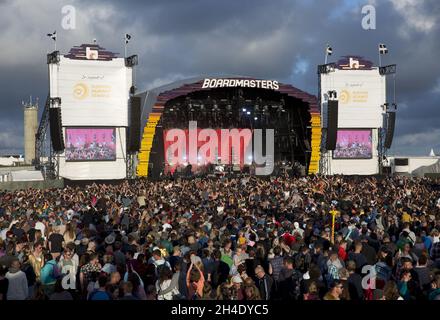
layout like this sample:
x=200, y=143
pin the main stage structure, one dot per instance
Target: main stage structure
x=102, y=128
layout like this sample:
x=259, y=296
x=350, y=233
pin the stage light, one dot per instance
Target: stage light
x=248, y=113
x=255, y=118
x=244, y=109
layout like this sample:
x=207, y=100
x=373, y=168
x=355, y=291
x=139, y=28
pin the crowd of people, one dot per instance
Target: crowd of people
x=353, y=151
x=92, y=152
x=230, y=238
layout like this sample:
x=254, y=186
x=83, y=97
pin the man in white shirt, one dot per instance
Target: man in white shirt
x=41, y=226
x=297, y=229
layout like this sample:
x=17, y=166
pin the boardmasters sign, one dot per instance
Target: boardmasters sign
x=245, y=83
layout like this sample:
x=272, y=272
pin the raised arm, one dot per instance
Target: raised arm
x=188, y=275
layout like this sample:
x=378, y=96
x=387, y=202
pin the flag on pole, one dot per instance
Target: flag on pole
x=53, y=35
x=329, y=50
x=383, y=48
x=127, y=38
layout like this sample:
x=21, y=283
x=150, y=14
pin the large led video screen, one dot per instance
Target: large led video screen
x=353, y=144
x=90, y=144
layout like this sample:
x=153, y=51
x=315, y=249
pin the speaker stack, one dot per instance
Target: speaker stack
x=332, y=121
x=56, y=129
x=134, y=131
x=391, y=120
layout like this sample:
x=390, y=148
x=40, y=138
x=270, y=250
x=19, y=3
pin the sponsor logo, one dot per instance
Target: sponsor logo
x=80, y=91
x=344, y=96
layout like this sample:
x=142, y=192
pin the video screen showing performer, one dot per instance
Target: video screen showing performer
x=353, y=144
x=90, y=144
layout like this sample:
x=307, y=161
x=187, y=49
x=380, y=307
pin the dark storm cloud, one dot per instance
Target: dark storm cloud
x=281, y=40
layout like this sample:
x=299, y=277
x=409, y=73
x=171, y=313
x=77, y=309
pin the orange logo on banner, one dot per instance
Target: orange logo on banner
x=80, y=91
x=344, y=96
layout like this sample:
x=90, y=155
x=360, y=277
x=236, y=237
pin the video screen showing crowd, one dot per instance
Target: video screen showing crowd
x=90, y=144
x=353, y=144
x=236, y=108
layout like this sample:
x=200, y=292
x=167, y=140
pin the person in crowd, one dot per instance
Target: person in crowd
x=335, y=292
x=195, y=282
x=49, y=274
x=265, y=283
x=101, y=293
x=17, y=282
x=59, y=292
x=88, y=270
x=36, y=259
x=127, y=291
x=4, y=283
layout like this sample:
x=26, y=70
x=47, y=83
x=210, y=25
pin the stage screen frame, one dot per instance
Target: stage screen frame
x=114, y=156
x=370, y=131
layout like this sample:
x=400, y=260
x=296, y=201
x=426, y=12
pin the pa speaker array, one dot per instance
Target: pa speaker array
x=332, y=124
x=134, y=131
x=56, y=129
x=391, y=121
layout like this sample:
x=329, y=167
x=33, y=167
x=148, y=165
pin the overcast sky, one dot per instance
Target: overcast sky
x=282, y=40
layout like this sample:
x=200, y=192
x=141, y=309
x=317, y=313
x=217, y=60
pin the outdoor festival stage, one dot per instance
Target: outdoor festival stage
x=103, y=128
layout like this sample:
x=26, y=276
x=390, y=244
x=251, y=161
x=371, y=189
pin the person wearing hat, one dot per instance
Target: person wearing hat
x=110, y=239
x=237, y=282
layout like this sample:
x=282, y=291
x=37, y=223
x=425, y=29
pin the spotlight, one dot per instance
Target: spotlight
x=248, y=113
x=255, y=118
x=244, y=109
